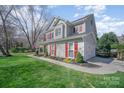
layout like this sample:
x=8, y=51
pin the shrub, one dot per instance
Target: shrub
x=18, y=50
x=79, y=58
x=45, y=51
x=67, y=60
x=14, y=50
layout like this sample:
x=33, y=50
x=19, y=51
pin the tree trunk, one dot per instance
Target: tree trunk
x=2, y=50
x=6, y=37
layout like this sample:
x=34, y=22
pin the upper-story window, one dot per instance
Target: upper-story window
x=58, y=31
x=75, y=29
x=80, y=28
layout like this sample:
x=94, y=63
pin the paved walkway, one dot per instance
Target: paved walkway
x=93, y=67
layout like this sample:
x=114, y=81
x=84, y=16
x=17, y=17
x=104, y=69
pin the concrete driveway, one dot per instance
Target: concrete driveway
x=108, y=65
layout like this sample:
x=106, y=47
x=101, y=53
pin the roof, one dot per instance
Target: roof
x=68, y=22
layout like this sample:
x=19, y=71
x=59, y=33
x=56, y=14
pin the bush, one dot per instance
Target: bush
x=67, y=60
x=14, y=50
x=45, y=51
x=79, y=58
x=18, y=50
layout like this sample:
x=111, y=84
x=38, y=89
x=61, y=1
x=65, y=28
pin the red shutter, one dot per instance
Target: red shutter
x=66, y=50
x=50, y=49
x=75, y=49
x=55, y=49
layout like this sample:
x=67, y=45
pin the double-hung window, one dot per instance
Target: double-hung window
x=58, y=31
x=71, y=49
x=52, y=49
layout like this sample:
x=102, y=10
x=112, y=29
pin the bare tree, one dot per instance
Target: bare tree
x=4, y=14
x=31, y=20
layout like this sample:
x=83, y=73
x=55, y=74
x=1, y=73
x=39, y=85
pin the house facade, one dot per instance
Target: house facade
x=64, y=39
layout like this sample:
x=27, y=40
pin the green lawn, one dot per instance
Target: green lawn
x=22, y=71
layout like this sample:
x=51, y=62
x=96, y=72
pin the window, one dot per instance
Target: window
x=71, y=49
x=73, y=30
x=80, y=28
x=52, y=49
x=76, y=29
x=52, y=35
x=58, y=31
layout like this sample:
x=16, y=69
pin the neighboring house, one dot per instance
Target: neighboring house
x=121, y=39
x=64, y=39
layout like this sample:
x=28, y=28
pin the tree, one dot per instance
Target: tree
x=31, y=20
x=107, y=39
x=4, y=15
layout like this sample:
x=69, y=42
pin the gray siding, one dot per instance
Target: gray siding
x=89, y=47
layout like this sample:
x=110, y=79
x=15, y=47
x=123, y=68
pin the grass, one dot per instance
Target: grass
x=21, y=71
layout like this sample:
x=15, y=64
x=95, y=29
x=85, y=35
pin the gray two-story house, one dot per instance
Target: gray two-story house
x=64, y=39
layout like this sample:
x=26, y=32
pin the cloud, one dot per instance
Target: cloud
x=52, y=6
x=96, y=9
x=76, y=14
x=79, y=6
x=110, y=24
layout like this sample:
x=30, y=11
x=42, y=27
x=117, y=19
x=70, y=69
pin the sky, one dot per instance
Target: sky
x=108, y=18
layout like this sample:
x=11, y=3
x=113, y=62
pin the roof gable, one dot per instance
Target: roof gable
x=54, y=22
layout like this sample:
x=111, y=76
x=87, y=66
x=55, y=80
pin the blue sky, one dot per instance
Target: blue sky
x=108, y=18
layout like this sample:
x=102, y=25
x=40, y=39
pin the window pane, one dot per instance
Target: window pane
x=70, y=53
x=52, y=49
x=58, y=31
x=52, y=35
x=70, y=46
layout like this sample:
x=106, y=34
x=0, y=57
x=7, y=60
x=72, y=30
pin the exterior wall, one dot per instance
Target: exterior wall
x=65, y=27
x=81, y=48
x=89, y=47
x=60, y=50
x=86, y=45
x=60, y=36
